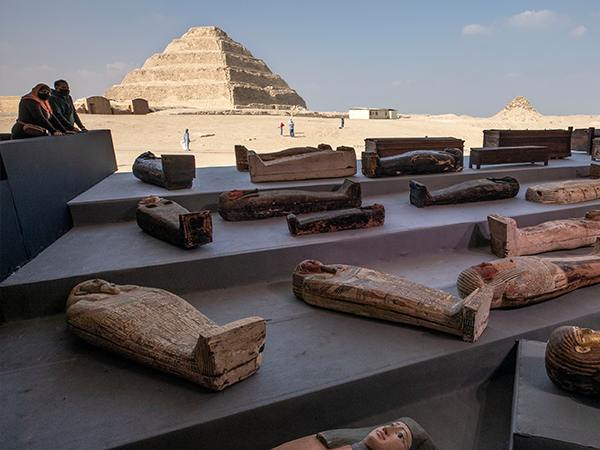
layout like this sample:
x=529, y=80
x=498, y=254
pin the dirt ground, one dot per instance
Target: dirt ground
x=213, y=136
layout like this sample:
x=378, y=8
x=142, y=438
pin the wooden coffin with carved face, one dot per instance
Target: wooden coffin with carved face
x=254, y=204
x=171, y=222
x=165, y=332
x=169, y=171
x=481, y=190
x=300, y=163
x=509, y=240
x=573, y=360
x=343, y=219
x=419, y=162
x=570, y=191
x=370, y=293
x=525, y=280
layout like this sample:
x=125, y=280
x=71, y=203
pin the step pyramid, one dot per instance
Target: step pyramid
x=519, y=109
x=206, y=69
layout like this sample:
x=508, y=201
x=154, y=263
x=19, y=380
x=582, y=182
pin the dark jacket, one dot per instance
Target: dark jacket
x=64, y=110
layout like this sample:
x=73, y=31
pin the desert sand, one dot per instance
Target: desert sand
x=213, y=136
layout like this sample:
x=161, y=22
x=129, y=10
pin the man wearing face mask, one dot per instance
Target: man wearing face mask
x=63, y=108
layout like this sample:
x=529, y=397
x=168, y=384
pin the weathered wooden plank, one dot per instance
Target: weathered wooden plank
x=506, y=155
x=254, y=204
x=376, y=294
x=303, y=163
x=166, y=220
x=572, y=359
x=596, y=149
x=415, y=162
x=484, y=189
x=164, y=331
x=169, y=171
x=525, y=280
x=582, y=140
x=557, y=141
x=570, y=191
x=508, y=240
x=386, y=147
x=594, y=170
x=344, y=219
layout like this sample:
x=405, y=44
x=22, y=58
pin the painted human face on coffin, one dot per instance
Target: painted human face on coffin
x=395, y=436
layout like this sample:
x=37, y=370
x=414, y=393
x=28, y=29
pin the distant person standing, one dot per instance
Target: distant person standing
x=62, y=106
x=291, y=124
x=281, y=127
x=185, y=142
x=342, y=123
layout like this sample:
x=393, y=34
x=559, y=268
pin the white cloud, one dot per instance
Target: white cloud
x=476, y=30
x=402, y=83
x=579, y=31
x=6, y=47
x=595, y=14
x=533, y=19
x=512, y=75
x=120, y=68
x=43, y=69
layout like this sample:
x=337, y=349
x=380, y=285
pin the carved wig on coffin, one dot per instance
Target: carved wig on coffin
x=525, y=280
x=169, y=171
x=299, y=163
x=571, y=191
x=255, y=204
x=508, y=240
x=420, y=161
x=343, y=219
x=382, y=296
x=481, y=190
x=399, y=434
x=573, y=360
x=166, y=220
x=164, y=331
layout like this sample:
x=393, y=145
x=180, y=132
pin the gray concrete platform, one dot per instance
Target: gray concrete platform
x=320, y=369
x=115, y=198
x=546, y=417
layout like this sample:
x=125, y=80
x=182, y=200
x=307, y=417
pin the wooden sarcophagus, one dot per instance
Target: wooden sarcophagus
x=163, y=331
x=557, y=141
x=343, y=219
x=370, y=293
x=171, y=222
x=525, y=280
x=256, y=204
x=482, y=190
x=300, y=163
x=572, y=359
x=169, y=171
x=582, y=139
x=570, y=191
x=386, y=147
x=509, y=240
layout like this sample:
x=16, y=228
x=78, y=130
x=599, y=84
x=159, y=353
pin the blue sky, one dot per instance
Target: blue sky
x=421, y=57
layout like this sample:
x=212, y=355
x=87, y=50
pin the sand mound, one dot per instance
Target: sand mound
x=207, y=69
x=519, y=110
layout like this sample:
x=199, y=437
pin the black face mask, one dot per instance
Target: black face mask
x=63, y=92
x=44, y=96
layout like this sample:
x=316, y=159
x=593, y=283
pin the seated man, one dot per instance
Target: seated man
x=63, y=108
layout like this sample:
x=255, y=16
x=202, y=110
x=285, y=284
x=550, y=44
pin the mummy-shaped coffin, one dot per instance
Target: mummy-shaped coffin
x=508, y=240
x=254, y=204
x=573, y=359
x=419, y=161
x=169, y=171
x=376, y=294
x=166, y=220
x=164, y=331
x=481, y=190
x=525, y=280
x=571, y=191
x=343, y=219
x=300, y=163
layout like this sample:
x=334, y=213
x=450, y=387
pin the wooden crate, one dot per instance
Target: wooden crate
x=557, y=141
x=507, y=155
